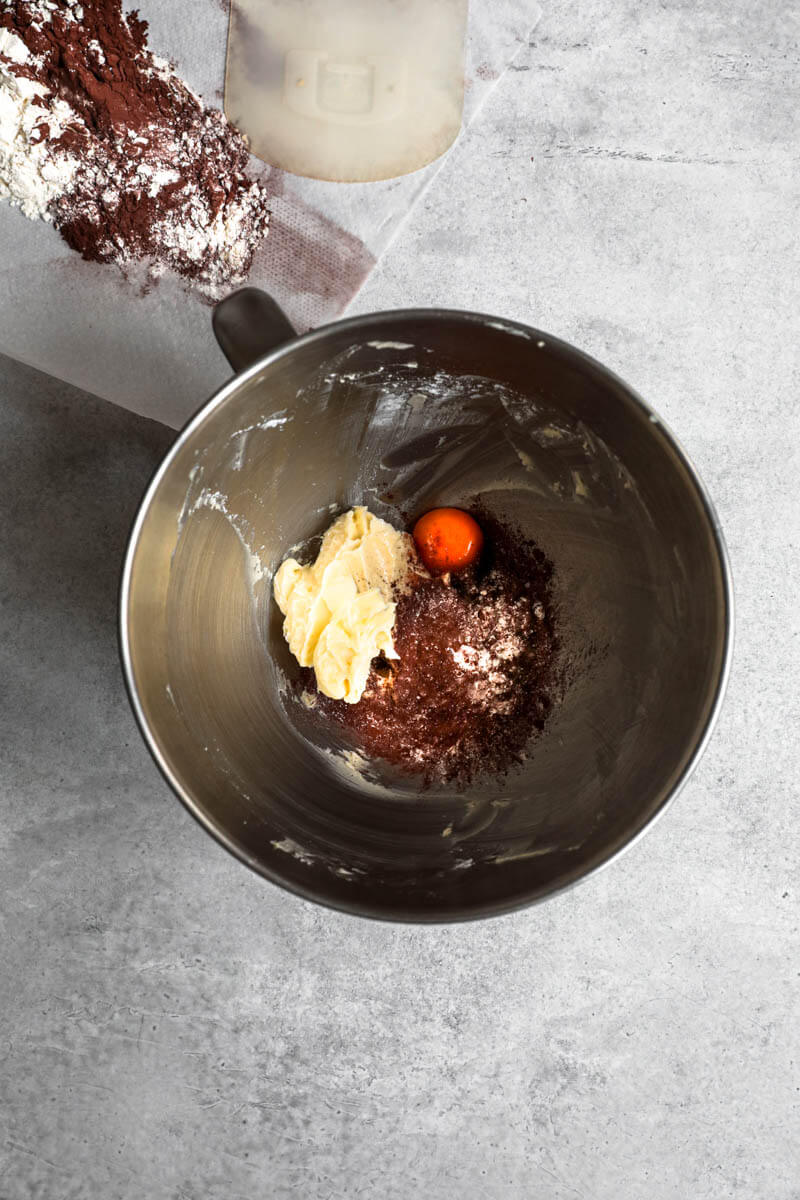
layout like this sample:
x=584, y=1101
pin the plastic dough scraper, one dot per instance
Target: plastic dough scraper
x=348, y=90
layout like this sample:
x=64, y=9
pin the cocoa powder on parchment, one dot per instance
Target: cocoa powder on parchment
x=161, y=177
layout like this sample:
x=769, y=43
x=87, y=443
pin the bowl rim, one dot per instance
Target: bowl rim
x=514, y=329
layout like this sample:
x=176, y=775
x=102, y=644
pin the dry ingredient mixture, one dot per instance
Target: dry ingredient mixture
x=103, y=138
x=476, y=674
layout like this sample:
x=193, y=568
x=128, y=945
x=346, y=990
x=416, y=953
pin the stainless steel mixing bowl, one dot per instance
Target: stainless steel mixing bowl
x=403, y=411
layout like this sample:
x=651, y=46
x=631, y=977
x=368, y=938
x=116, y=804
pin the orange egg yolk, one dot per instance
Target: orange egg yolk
x=448, y=539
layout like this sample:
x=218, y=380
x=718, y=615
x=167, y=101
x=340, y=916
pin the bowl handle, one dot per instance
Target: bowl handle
x=248, y=324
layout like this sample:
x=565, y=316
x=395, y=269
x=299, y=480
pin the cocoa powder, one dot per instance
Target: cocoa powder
x=476, y=675
x=161, y=178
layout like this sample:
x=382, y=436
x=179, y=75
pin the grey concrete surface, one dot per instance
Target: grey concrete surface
x=170, y=1026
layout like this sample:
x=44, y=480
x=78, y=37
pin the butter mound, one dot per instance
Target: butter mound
x=339, y=611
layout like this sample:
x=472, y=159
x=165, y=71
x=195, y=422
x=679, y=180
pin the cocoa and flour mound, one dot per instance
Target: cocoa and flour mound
x=124, y=159
x=476, y=674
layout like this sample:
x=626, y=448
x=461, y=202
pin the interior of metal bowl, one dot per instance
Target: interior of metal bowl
x=403, y=412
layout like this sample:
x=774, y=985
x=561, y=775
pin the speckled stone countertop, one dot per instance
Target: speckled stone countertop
x=170, y=1025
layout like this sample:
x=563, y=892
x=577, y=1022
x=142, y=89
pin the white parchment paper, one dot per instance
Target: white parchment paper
x=153, y=351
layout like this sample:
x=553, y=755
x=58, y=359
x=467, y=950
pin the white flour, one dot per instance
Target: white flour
x=31, y=176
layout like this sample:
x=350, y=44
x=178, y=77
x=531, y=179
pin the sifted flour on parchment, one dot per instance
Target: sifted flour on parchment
x=102, y=138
